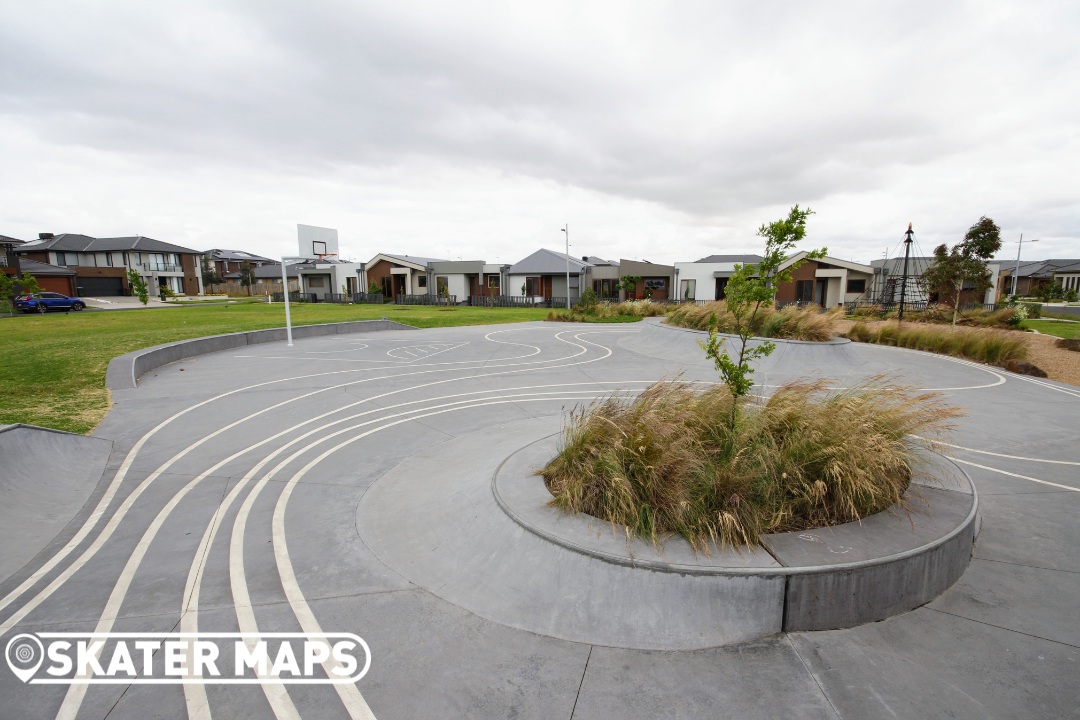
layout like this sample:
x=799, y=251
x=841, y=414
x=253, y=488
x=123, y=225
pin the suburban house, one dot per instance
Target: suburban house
x=605, y=278
x=1034, y=275
x=467, y=280
x=226, y=264
x=827, y=282
x=51, y=278
x=656, y=281
x=398, y=274
x=1068, y=276
x=542, y=276
x=705, y=279
x=321, y=277
x=268, y=277
x=101, y=264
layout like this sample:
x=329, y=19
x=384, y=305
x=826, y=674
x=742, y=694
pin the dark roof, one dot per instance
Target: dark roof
x=1040, y=268
x=741, y=259
x=240, y=255
x=547, y=262
x=594, y=260
x=5, y=240
x=1074, y=268
x=273, y=270
x=39, y=268
x=71, y=242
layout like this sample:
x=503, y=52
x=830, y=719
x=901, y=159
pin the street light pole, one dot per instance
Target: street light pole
x=566, y=230
x=1016, y=271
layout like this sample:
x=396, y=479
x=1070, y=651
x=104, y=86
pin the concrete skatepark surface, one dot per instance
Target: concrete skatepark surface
x=269, y=488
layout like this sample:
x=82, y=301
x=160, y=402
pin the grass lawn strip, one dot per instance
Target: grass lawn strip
x=52, y=367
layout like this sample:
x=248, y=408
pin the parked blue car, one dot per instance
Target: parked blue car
x=44, y=301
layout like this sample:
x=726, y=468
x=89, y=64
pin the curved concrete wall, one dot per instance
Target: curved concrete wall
x=124, y=371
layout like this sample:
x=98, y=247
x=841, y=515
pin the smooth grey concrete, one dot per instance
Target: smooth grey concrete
x=45, y=478
x=337, y=435
x=833, y=577
x=124, y=371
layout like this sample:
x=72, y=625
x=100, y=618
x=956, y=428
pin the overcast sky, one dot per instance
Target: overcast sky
x=663, y=131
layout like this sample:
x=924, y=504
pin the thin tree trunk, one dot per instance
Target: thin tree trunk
x=956, y=305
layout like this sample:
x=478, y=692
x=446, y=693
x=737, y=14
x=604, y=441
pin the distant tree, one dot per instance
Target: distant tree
x=751, y=288
x=209, y=272
x=247, y=275
x=138, y=286
x=964, y=263
x=12, y=286
x=628, y=284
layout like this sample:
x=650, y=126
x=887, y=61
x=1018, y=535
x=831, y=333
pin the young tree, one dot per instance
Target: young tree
x=209, y=273
x=12, y=286
x=247, y=275
x=628, y=284
x=138, y=286
x=752, y=288
x=965, y=261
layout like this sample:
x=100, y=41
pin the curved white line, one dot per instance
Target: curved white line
x=122, y=472
x=1003, y=455
x=1022, y=477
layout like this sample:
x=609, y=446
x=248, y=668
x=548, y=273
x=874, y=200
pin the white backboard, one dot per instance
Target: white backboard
x=315, y=241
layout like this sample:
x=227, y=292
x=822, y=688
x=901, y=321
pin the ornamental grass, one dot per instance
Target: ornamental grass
x=806, y=322
x=677, y=460
x=985, y=345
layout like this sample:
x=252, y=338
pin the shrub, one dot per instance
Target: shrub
x=629, y=311
x=994, y=347
x=670, y=462
x=807, y=322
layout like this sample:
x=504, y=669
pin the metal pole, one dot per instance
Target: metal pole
x=285, y=293
x=903, y=285
x=566, y=230
x=1016, y=272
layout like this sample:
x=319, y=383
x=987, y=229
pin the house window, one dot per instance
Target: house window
x=804, y=290
x=493, y=282
x=606, y=288
x=856, y=286
x=533, y=286
x=442, y=285
x=655, y=283
x=67, y=259
x=137, y=258
x=688, y=289
x=421, y=281
x=315, y=282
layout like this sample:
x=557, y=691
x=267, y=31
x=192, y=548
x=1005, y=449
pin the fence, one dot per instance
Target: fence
x=425, y=299
x=339, y=298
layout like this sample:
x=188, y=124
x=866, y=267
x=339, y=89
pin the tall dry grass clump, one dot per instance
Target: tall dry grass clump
x=626, y=311
x=672, y=462
x=807, y=322
x=994, y=347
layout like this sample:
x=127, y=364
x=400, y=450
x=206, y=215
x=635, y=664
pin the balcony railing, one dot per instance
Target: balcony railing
x=162, y=267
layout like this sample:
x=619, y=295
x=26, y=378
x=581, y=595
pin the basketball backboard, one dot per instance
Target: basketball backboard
x=317, y=242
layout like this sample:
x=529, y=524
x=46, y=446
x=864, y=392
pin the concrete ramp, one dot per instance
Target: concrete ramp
x=46, y=476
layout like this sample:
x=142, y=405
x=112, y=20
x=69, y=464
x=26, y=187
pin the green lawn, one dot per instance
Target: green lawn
x=52, y=367
x=1062, y=329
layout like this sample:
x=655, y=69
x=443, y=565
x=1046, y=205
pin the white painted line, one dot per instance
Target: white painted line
x=1003, y=455
x=1022, y=477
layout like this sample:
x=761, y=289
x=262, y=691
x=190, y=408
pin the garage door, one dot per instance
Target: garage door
x=95, y=287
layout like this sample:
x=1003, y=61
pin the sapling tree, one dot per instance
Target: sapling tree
x=628, y=284
x=138, y=286
x=247, y=275
x=11, y=285
x=964, y=262
x=750, y=289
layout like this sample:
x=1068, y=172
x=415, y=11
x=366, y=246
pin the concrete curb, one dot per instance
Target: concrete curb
x=124, y=371
x=819, y=592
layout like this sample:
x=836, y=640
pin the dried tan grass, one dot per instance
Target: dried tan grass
x=671, y=462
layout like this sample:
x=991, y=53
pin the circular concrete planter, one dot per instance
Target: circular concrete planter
x=827, y=578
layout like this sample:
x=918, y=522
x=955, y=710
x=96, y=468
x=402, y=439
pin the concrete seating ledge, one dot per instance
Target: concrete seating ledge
x=835, y=577
x=124, y=371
